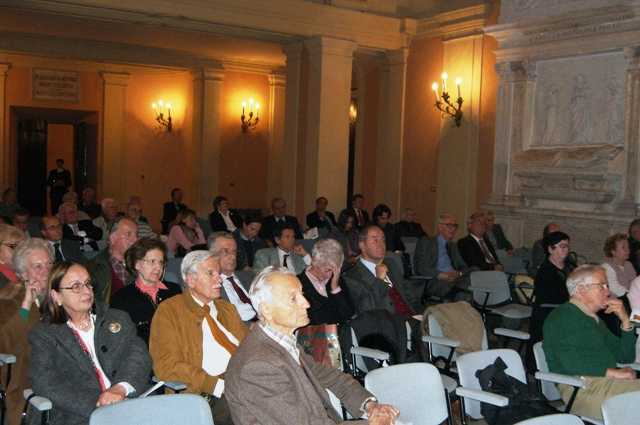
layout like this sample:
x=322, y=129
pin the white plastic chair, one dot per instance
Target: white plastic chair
x=491, y=293
x=5, y=360
x=414, y=388
x=621, y=409
x=559, y=419
x=155, y=410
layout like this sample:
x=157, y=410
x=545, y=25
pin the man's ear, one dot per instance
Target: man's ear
x=266, y=312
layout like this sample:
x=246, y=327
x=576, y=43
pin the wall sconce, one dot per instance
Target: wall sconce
x=250, y=121
x=443, y=103
x=353, y=112
x=163, y=113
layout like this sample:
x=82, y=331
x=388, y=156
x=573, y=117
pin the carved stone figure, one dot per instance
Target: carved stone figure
x=580, y=130
x=550, y=134
x=614, y=105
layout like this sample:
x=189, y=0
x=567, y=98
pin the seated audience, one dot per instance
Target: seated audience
x=382, y=218
x=371, y=283
x=278, y=217
x=475, y=248
x=346, y=233
x=357, y=210
x=108, y=216
x=550, y=289
x=74, y=229
x=286, y=252
x=63, y=249
x=20, y=219
x=134, y=212
x=620, y=272
x=538, y=252
x=439, y=259
x=408, y=227
x=171, y=209
x=223, y=245
x=8, y=203
x=320, y=218
x=271, y=380
x=108, y=269
x=576, y=342
x=197, y=355
x=496, y=235
x=88, y=203
x=10, y=238
x=185, y=234
x=248, y=241
x=222, y=218
x=19, y=313
x=145, y=260
x=84, y=355
x=322, y=285
x=634, y=244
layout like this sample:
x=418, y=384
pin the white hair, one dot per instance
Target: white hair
x=581, y=276
x=24, y=250
x=192, y=260
x=327, y=251
x=260, y=290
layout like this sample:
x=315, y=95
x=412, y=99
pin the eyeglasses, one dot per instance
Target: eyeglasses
x=77, y=287
x=154, y=262
x=450, y=225
x=601, y=285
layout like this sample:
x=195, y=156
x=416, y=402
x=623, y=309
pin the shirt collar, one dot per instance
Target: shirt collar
x=213, y=311
x=281, y=252
x=288, y=342
x=477, y=239
x=370, y=265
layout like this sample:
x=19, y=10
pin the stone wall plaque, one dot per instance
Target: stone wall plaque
x=51, y=84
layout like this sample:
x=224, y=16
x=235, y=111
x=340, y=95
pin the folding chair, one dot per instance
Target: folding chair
x=559, y=419
x=415, y=389
x=5, y=360
x=617, y=411
x=156, y=410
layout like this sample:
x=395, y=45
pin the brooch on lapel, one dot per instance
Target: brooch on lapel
x=115, y=327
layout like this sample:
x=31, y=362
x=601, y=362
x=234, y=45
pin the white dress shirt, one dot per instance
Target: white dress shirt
x=290, y=265
x=215, y=358
x=245, y=310
x=228, y=222
x=371, y=266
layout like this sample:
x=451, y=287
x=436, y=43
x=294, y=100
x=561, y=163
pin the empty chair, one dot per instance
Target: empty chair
x=491, y=293
x=156, y=410
x=414, y=388
x=559, y=419
x=621, y=409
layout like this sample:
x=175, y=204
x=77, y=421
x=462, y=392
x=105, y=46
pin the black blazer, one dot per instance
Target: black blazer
x=365, y=216
x=140, y=307
x=169, y=213
x=93, y=232
x=392, y=238
x=472, y=253
x=314, y=220
x=336, y=308
x=71, y=251
x=269, y=227
x=501, y=239
x=407, y=229
x=218, y=224
x=246, y=250
x=63, y=373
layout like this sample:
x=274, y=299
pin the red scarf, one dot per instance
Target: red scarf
x=9, y=273
x=150, y=290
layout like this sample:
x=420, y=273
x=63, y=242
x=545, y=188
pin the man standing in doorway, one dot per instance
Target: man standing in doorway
x=59, y=182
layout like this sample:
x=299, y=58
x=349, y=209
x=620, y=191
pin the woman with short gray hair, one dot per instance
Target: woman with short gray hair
x=322, y=286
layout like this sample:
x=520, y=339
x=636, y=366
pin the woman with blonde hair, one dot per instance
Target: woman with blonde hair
x=185, y=234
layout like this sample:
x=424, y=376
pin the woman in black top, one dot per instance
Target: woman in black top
x=145, y=259
x=328, y=299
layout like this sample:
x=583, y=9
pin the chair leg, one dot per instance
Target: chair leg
x=463, y=414
x=449, y=412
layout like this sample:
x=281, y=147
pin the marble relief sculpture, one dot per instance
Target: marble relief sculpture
x=614, y=105
x=580, y=130
x=550, y=134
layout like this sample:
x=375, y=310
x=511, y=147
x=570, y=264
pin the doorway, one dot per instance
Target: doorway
x=45, y=135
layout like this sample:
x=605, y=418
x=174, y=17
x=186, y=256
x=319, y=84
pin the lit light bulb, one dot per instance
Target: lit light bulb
x=434, y=87
x=168, y=106
x=154, y=106
x=458, y=81
x=161, y=103
x=257, y=106
x=445, y=76
x=251, y=101
x=244, y=104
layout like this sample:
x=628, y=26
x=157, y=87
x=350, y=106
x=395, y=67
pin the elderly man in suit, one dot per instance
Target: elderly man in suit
x=439, y=259
x=271, y=380
x=223, y=245
x=475, y=248
x=279, y=217
x=357, y=210
x=286, y=253
x=82, y=231
x=320, y=217
x=193, y=335
x=63, y=249
x=222, y=217
x=374, y=285
x=248, y=241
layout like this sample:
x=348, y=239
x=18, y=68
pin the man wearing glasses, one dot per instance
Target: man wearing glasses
x=577, y=342
x=439, y=259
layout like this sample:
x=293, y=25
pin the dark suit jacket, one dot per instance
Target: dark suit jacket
x=269, y=227
x=62, y=372
x=246, y=250
x=425, y=258
x=217, y=222
x=169, y=213
x=392, y=238
x=93, y=232
x=473, y=255
x=406, y=229
x=264, y=385
x=367, y=292
x=313, y=220
x=93, y=209
x=365, y=216
x=336, y=308
x=71, y=251
x=501, y=239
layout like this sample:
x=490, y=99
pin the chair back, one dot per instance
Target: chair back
x=549, y=389
x=307, y=244
x=204, y=225
x=469, y=363
x=394, y=260
x=559, y=419
x=414, y=388
x=618, y=410
x=155, y=410
x=494, y=280
x=410, y=248
x=172, y=271
x=441, y=351
x=511, y=263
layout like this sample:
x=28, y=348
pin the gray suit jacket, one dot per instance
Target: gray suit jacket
x=269, y=257
x=62, y=372
x=367, y=292
x=425, y=258
x=265, y=385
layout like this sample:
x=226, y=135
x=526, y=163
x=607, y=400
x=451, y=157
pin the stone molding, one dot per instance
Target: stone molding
x=458, y=23
x=317, y=46
x=278, y=79
x=210, y=74
x=115, y=78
